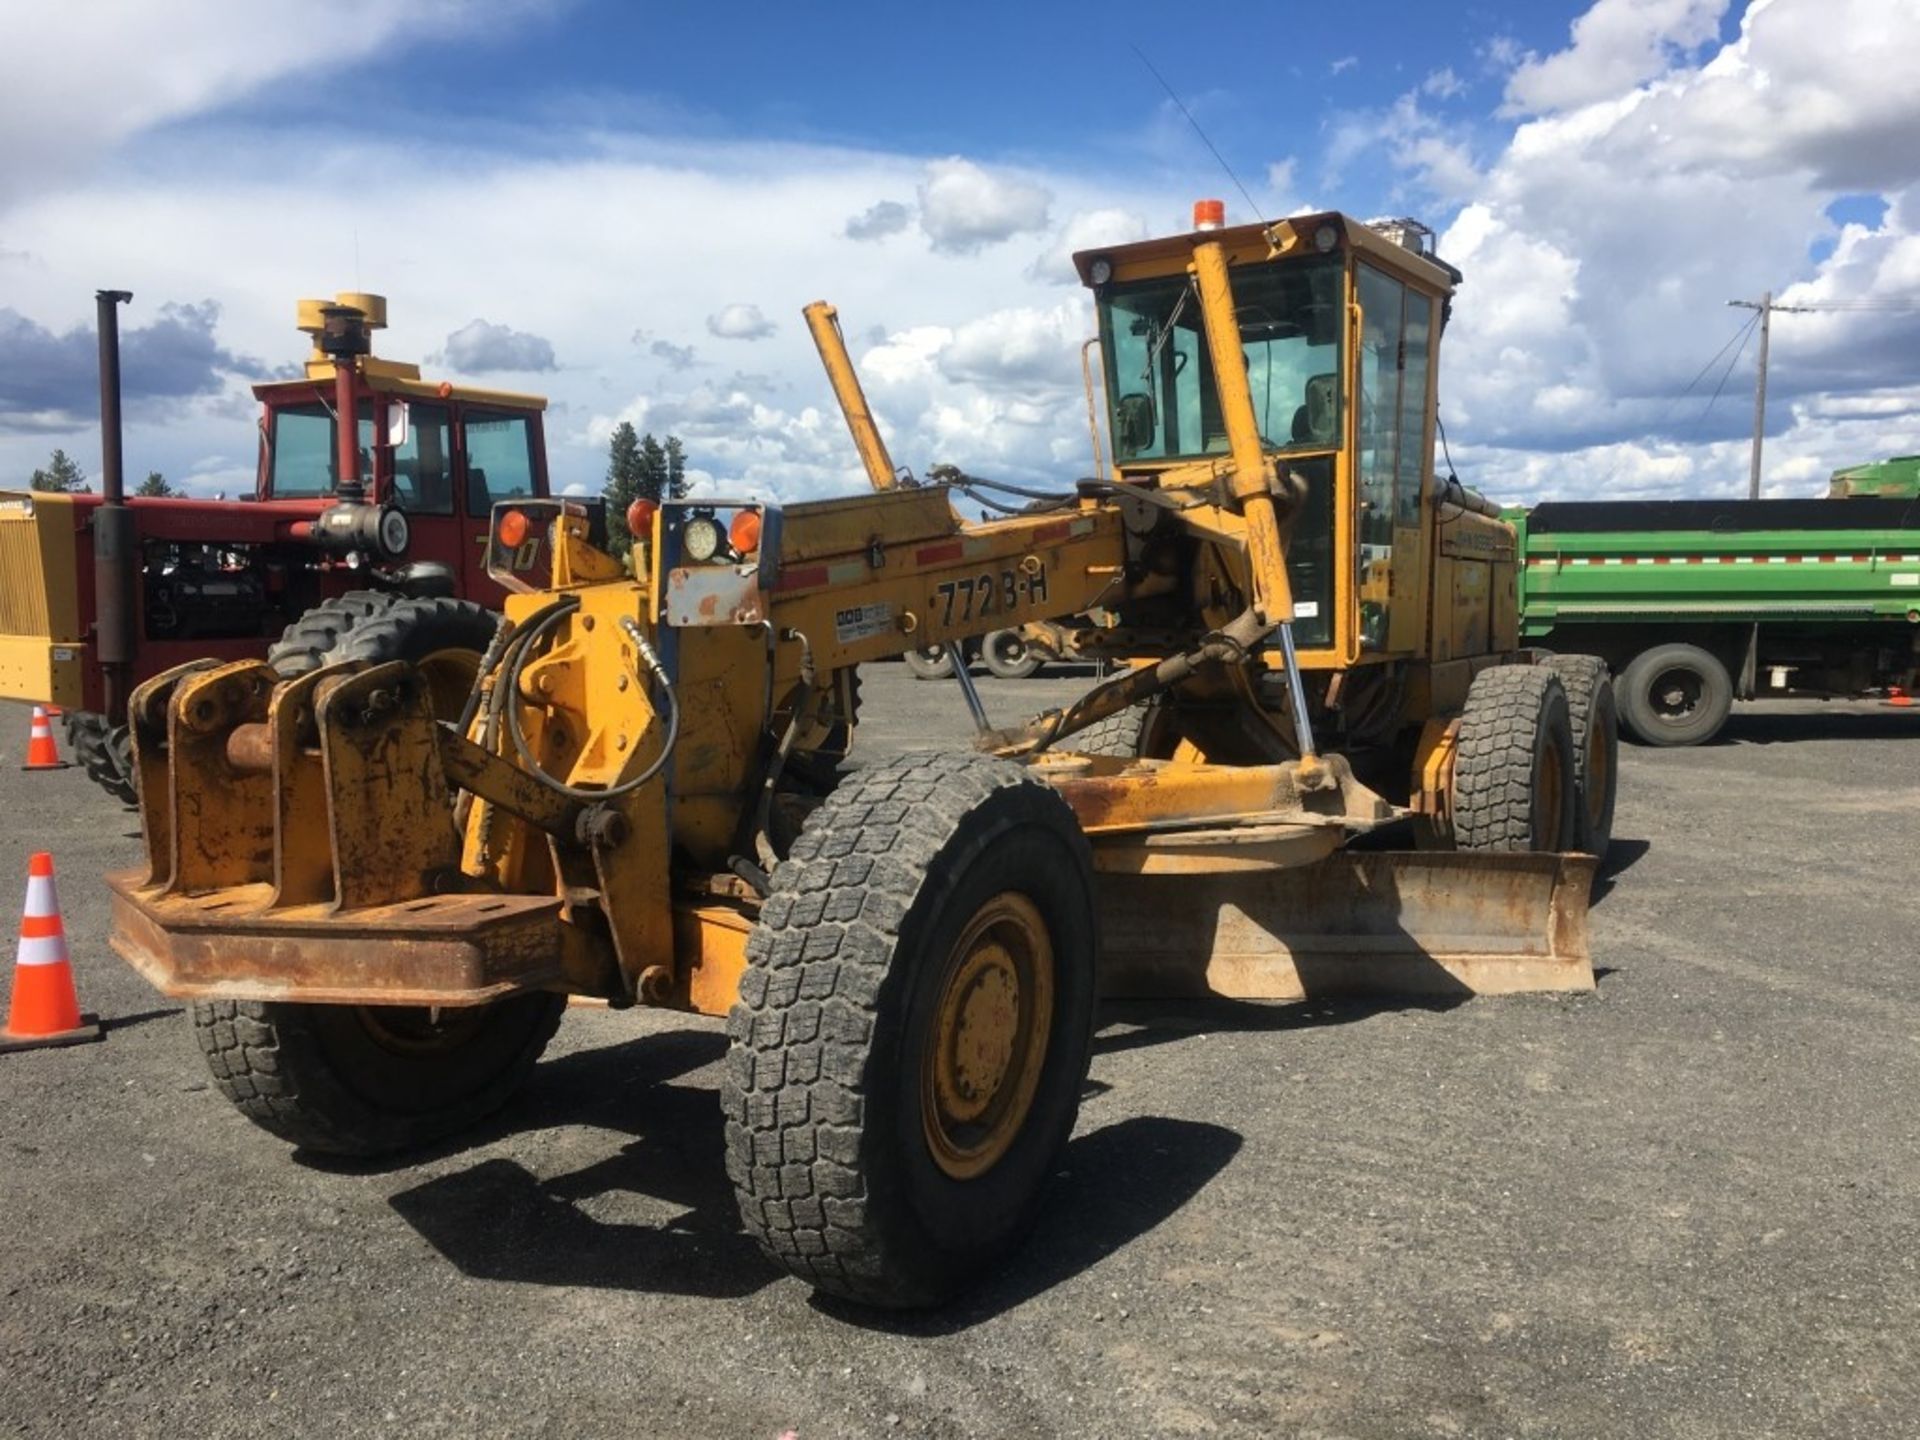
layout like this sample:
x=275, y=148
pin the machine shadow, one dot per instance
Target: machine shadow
x=1162, y=1022
x=1114, y=1185
x=497, y=1220
x=1621, y=856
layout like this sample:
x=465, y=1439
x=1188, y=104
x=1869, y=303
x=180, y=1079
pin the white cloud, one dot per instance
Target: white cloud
x=77, y=79
x=480, y=347
x=1345, y=62
x=1616, y=45
x=1443, y=84
x=740, y=322
x=964, y=207
x=1085, y=230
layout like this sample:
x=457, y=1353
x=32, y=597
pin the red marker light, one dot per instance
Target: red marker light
x=513, y=529
x=744, y=533
x=640, y=519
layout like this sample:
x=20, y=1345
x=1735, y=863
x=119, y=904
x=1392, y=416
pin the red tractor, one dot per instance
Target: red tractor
x=346, y=523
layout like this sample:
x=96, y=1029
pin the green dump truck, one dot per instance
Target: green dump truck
x=1697, y=603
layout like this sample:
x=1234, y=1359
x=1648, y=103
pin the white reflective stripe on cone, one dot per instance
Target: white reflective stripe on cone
x=42, y=899
x=41, y=950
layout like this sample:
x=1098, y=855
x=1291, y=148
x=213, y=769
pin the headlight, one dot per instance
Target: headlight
x=701, y=539
x=1100, y=271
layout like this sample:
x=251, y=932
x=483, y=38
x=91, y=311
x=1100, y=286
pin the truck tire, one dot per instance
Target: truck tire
x=930, y=662
x=367, y=1080
x=1513, y=764
x=104, y=751
x=443, y=638
x=1675, y=694
x=309, y=642
x=1010, y=655
x=1596, y=748
x=913, y=1028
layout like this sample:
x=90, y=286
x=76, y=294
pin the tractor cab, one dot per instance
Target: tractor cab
x=442, y=454
x=1338, y=323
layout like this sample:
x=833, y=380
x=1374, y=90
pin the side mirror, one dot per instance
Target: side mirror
x=399, y=419
x=1134, y=424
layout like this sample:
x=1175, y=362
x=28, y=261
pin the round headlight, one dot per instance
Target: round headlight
x=701, y=539
x=1101, y=271
x=1325, y=238
x=394, y=532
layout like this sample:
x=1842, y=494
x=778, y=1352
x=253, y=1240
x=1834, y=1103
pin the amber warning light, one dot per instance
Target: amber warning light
x=513, y=529
x=640, y=519
x=1209, y=214
x=744, y=532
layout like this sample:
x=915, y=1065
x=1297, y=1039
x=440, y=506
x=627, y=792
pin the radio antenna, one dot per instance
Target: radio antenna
x=1171, y=95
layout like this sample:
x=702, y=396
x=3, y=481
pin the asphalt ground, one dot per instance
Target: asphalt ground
x=1683, y=1206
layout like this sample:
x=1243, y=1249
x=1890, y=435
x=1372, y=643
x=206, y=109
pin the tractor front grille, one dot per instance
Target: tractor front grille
x=38, y=590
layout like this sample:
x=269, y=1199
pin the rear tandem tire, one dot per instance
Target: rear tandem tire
x=1675, y=694
x=1596, y=748
x=1513, y=765
x=367, y=1080
x=1010, y=655
x=913, y=1028
x=930, y=662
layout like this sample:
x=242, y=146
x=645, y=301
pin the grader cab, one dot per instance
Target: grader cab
x=379, y=882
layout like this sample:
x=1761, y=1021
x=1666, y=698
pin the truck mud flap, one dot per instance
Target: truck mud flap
x=1399, y=923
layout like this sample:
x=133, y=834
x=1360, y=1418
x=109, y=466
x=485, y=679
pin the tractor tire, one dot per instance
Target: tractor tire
x=1010, y=655
x=368, y=1080
x=105, y=752
x=1675, y=695
x=913, y=1028
x=309, y=642
x=1596, y=748
x=1139, y=732
x=365, y=1080
x=1513, y=765
x=932, y=662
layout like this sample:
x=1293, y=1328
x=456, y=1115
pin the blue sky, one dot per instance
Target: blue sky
x=624, y=207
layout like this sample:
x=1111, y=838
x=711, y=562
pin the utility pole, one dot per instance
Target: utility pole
x=1766, y=307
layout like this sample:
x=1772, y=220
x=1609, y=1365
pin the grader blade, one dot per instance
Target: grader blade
x=1406, y=923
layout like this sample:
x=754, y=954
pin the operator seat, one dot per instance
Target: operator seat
x=1315, y=422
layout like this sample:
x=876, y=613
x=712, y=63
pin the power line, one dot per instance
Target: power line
x=1745, y=335
x=1674, y=403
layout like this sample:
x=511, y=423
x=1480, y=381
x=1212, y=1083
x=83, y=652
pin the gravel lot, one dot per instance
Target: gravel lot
x=1686, y=1206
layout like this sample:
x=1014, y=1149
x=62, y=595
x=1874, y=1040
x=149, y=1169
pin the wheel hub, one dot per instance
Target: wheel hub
x=988, y=1044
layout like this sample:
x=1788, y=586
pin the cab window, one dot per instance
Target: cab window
x=304, y=459
x=423, y=466
x=499, y=451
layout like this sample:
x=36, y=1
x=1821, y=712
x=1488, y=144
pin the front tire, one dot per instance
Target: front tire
x=367, y=1080
x=913, y=1028
x=1513, y=765
x=1596, y=748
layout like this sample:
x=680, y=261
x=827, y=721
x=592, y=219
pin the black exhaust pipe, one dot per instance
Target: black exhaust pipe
x=114, y=557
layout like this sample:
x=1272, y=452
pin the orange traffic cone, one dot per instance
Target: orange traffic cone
x=42, y=753
x=1897, y=695
x=45, y=1010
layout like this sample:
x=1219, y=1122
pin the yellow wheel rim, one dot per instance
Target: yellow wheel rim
x=988, y=1045
x=1597, y=777
x=1549, y=796
x=449, y=675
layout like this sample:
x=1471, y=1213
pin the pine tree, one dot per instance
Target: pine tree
x=676, y=469
x=623, y=485
x=653, y=468
x=155, y=484
x=62, y=475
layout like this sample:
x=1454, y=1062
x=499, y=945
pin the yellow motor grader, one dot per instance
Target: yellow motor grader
x=380, y=881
